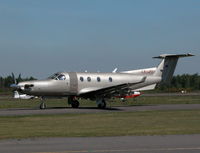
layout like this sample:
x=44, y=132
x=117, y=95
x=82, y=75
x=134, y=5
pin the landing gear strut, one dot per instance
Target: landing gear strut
x=73, y=102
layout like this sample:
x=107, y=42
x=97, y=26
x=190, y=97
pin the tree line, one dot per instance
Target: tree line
x=5, y=82
x=182, y=82
x=178, y=83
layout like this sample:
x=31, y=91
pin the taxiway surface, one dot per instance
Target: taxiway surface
x=126, y=144
x=26, y=111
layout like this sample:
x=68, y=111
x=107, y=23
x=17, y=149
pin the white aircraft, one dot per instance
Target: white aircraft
x=100, y=86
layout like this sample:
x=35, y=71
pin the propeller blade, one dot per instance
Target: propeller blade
x=13, y=77
x=19, y=79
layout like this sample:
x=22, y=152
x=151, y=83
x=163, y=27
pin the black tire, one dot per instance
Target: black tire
x=75, y=104
x=102, y=105
x=42, y=106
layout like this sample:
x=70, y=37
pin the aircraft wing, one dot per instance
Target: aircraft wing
x=108, y=91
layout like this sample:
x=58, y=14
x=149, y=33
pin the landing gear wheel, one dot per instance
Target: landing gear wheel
x=43, y=106
x=102, y=105
x=75, y=104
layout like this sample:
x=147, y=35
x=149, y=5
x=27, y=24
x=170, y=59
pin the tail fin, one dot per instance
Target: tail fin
x=167, y=67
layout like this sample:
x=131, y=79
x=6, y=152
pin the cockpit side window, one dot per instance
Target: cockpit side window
x=82, y=79
x=61, y=77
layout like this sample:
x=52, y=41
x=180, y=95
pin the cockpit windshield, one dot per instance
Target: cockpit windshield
x=57, y=76
x=54, y=76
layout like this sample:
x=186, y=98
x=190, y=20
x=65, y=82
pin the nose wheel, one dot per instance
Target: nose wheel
x=43, y=105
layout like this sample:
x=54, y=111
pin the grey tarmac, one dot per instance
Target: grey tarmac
x=125, y=144
x=28, y=111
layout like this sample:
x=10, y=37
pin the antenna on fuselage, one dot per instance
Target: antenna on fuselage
x=115, y=70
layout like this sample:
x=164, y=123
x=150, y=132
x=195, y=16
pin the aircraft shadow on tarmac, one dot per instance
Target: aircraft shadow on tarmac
x=119, y=108
x=109, y=108
x=82, y=108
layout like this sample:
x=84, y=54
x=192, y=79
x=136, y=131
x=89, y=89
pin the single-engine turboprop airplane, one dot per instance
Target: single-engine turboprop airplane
x=100, y=86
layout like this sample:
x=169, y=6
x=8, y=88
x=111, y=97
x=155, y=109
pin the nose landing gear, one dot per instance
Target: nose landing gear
x=42, y=104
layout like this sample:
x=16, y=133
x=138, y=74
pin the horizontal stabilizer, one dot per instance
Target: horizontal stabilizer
x=173, y=55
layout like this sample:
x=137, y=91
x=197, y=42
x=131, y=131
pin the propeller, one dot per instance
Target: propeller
x=15, y=85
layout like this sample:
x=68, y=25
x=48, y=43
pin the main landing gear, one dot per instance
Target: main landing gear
x=73, y=102
x=101, y=103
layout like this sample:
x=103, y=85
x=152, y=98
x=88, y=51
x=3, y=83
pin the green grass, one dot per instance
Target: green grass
x=142, y=100
x=101, y=124
x=169, y=100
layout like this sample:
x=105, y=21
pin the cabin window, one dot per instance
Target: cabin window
x=110, y=79
x=61, y=77
x=98, y=79
x=89, y=79
x=82, y=79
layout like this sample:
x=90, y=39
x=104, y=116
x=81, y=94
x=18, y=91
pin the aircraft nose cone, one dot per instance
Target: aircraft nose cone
x=18, y=86
x=14, y=86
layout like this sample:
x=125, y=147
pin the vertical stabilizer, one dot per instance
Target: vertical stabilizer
x=167, y=67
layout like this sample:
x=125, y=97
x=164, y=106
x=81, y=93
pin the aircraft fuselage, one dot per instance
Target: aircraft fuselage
x=76, y=84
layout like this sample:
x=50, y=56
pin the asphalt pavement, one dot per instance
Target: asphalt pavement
x=61, y=110
x=126, y=144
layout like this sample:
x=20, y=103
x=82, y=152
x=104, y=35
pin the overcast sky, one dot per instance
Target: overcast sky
x=40, y=37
